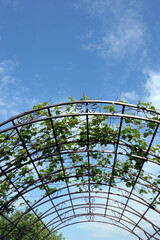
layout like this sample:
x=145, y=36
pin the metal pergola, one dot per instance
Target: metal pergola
x=91, y=188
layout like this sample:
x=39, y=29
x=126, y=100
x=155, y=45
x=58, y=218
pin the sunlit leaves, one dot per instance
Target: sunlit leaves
x=52, y=145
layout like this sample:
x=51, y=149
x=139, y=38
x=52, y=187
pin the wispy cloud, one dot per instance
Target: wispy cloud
x=14, y=97
x=129, y=96
x=100, y=231
x=85, y=37
x=123, y=28
x=152, y=87
x=98, y=8
x=10, y=2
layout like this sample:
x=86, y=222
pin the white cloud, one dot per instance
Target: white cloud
x=7, y=2
x=98, y=8
x=129, y=96
x=100, y=231
x=123, y=32
x=125, y=38
x=85, y=36
x=7, y=66
x=13, y=95
x=152, y=87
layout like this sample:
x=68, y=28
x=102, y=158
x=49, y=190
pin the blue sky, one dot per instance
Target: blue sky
x=53, y=49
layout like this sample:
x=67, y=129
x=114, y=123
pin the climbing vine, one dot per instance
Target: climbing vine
x=79, y=143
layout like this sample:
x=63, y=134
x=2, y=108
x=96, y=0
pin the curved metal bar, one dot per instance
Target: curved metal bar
x=79, y=102
x=102, y=206
x=77, y=193
x=140, y=168
x=81, y=114
x=24, y=192
x=115, y=160
x=84, y=207
x=113, y=222
x=7, y=169
x=28, y=154
x=78, y=222
x=120, y=204
x=103, y=184
x=15, y=226
x=85, y=110
x=97, y=206
x=59, y=153
x=50, y=223
x=141, y=200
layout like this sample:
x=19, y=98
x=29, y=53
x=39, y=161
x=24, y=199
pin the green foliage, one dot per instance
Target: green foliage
x=58, y=147
x=27, y=223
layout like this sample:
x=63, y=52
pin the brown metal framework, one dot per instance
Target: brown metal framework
x=113, y=203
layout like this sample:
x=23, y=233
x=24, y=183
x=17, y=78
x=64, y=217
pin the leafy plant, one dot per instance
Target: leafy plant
x=70, y=143
x=26, y=224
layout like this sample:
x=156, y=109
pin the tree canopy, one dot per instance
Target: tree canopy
x=25, y=225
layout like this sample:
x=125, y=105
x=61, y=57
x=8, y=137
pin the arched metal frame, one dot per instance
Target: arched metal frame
x=113, y=204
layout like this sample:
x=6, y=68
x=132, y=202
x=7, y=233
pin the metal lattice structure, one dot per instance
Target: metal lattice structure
x=98, y=171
